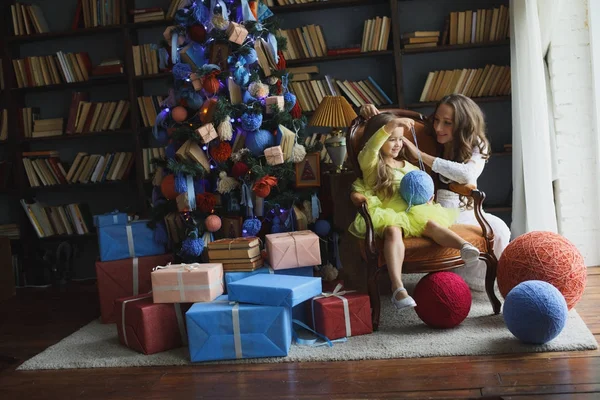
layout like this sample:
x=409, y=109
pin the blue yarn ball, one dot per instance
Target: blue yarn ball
x=170, y=150
x=258, y=141
x=192, y=247
x=251, y=122
x=322, y=227
x=194, y=99
x=241, y=76
x=289, y=101
x=277, y=226
x=535, y=312
x=180, y=183
x=251, y=227
x=416, y=188
x=181, y=70
x=160, y=234
x=251, y=57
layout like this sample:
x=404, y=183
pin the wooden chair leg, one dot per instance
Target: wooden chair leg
x=490, y=278
x=374, y=297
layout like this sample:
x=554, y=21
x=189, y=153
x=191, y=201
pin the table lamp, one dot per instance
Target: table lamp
x=334, y=112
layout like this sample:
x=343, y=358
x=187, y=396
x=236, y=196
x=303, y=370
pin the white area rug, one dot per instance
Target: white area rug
x=401, y=335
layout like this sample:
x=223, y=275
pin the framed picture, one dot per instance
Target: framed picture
x=308, y=171
x=231, y=227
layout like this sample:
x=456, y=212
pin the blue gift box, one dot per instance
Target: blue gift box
x=127, y=240
x=274, y=290
x=236, y=276
x=114, y=218
x=221, y=330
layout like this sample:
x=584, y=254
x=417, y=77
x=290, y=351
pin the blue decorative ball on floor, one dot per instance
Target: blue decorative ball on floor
x=535, y=312
x=416, y=188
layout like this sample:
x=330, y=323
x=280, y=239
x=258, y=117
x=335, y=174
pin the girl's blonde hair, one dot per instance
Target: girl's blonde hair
x=384, y=186
x=468, y=131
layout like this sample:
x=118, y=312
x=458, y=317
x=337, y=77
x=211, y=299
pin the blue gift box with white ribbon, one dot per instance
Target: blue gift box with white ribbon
x=120, y=240
x=224, y=330
x=274, y=290
x=236, y=276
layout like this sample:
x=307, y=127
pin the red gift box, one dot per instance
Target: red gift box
x=341, y=314
x=150, y=327
x=124, y=278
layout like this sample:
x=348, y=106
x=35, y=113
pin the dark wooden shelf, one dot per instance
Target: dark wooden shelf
x=74, y=85
x=160, y=75
x=304, y=61
x=70, y=237
x=124, y=132
x=475, y=99
x=79, y=186
x=63, y=34
x=149, y=24
x=455, y=47
x=292, y=8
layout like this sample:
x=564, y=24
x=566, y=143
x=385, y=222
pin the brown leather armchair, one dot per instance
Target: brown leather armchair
x=422, y=255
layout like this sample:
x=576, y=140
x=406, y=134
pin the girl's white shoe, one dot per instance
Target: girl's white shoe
x=469, y=253
x=402, y=303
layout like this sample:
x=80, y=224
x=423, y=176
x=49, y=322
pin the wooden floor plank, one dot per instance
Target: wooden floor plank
x=540, y=389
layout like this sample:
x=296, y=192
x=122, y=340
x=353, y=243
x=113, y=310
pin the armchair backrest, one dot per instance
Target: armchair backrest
x=423, y=129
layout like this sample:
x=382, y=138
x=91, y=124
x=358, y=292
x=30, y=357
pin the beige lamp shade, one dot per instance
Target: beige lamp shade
x=333, y=112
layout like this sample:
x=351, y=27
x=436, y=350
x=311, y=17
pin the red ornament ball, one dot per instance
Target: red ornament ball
x=239, y=169
x=221, y=152
x=206, y=202
x=543, y=256
x=197, y=33
x=179, y=114
x=212, y=223
x=167, y=187
x=443, y=299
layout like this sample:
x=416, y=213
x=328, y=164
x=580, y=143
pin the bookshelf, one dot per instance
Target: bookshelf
x=400, y=72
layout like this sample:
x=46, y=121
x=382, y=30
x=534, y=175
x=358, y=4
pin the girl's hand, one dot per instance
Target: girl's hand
x=368, y=110
x=411, y=149
x=407, y=123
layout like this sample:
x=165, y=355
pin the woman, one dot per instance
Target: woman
x=459, y=126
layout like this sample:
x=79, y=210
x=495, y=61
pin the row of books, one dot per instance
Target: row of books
x=47, y=127
x=4, y=125
x=376, y=34
x=148, y=154
x=145, y=59
x=68, y=219
x=100, y=116
x=149, y=108
x=52, y=69
x=147, y=14
x=419, y=39
x=492, y=80
x=97, y=13
x=10, y=231
x=28, y=19
x=304, y=42
x=478, y=26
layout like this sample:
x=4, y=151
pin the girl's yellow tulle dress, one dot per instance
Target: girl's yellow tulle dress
x=392, y=212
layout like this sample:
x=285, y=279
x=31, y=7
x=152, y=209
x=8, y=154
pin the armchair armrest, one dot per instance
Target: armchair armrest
x=478, y=196
x=360, y=202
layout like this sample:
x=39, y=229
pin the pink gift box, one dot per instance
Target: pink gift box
x=274, y=101
x=274, y=155
x=236, y=33
x=187, y=283
x=207, y=133
x=293, y=249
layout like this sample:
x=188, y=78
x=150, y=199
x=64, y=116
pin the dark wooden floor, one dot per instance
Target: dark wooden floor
x=36, y=319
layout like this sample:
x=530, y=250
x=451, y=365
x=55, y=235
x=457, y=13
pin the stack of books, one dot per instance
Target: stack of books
x=47, y=127
x=420, y=39
x=148, y=14
x=239, y=254
x=28, y=19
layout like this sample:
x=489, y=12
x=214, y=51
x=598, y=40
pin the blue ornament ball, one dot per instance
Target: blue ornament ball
x=535, y=312
x=416, y=188
x=248, y=98
x=180, y=183
x=289, y=101
x=251, y=122
x=322, y=227
x=241, y=76
x=192, y=247
x=160, y=234
x=258, y=141
x=277, y=226
x=251, y=227
x=251, y=57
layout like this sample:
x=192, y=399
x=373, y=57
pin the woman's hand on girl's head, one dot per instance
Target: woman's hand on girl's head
x=368, y=110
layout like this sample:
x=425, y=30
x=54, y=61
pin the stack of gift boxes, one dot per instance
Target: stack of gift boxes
x=159, y=306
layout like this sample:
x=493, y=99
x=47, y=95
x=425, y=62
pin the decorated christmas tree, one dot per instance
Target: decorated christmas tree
x=231, y=128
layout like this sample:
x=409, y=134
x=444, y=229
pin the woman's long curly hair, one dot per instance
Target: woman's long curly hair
x=384, y=186
x=468, y=131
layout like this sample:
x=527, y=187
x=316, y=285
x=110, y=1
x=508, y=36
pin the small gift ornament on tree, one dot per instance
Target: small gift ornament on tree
x=207, y=133
x=236, y=33
x=274, y=155
x=273, y=103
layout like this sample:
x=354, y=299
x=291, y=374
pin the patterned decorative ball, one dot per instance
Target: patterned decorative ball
x=443, y=299
x=212, y=223
x=258, y=141
x=416, y=188
x=251, y=57
x=251, y=122
x=322, y=227
x=289, y=101
x=543, y=256
x=192, y=247
x=251, y=227
x=167, y=187
x=179, y=114
x=535, y=312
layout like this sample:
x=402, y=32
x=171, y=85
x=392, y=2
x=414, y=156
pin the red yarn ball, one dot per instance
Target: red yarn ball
x=179, y=114
x=167, y=187
x=281, y=64
x=221, y=152
x=206, y=202
x=212, y=223
x=543, y=256
x=239, y=169
x=443, y=299
x=296, y=111
x=197, y=33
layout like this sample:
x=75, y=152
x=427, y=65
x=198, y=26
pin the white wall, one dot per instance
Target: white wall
x=576, y=191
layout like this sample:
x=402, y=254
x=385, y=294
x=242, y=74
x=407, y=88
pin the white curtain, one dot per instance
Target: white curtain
x=534, y=154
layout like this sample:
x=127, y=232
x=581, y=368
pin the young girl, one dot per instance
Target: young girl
x=383, y=166
x=459, y=126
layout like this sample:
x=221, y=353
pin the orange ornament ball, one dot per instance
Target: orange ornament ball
x=211, y=84
x=179, y=114
x=167, y=187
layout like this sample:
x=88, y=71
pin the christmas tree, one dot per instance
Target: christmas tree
x=226, y=125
